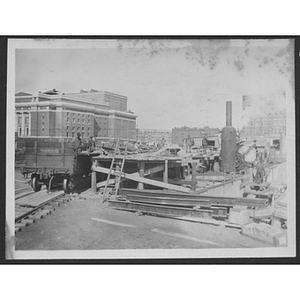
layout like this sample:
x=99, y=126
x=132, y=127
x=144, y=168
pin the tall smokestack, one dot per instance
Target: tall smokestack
x=228, y=142
x=228, y=113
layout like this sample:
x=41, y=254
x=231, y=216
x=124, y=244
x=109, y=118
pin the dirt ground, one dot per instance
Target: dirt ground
x=85, y=223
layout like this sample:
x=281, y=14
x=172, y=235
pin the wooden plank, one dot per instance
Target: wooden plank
x=23, y=194
x=153, y=170
x=158, y=209
x=215, y=200
x=212, y=177
x=28, y=198
x=137, y=178
x=103, y=183
x=194, y=182
x=157, y=193
x=39, y=199
x=200, y=220
x=146, y=173
x=168, y=200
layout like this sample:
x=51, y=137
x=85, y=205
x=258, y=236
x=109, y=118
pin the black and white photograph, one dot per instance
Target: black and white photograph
x=150, y=147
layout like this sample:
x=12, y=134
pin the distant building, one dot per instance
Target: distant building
x=265, y=122
x=154, y=135
x=271, y=127
x=180, y=133
x=95, y=113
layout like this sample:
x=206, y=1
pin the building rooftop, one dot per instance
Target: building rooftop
x=21, y=94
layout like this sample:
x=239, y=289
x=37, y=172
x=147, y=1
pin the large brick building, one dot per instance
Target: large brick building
x=270, y=127
x=181, y=133
x=154, y=135
x=55, y=115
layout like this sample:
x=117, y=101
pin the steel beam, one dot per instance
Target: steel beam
x=226, y=201
x=157, y=209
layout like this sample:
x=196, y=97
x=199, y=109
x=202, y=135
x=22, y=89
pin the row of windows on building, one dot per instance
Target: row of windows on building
x=267, y=122
x=72, y=117
x=81, y=119
x=155, y=133
x=264, y=131
x=80, y=129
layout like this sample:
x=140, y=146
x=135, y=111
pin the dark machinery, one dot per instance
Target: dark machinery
x=228, y=143
x=54, y=163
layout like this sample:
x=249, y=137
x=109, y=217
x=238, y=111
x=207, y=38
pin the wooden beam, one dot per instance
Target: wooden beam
x=169, y=200
x=194, y=182
x=175, y=181
x=159, y=209
x=215, y=200
x=136, y=177
x=165, y=176
x=103, y=183
x=153, y=170
x=141, y=174
x=94, y=179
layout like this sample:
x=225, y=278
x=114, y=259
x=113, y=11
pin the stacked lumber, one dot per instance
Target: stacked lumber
x=214, y=200
x=172, y=204
x=37, y=199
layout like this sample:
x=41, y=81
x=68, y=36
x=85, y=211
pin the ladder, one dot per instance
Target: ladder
x=116, y=167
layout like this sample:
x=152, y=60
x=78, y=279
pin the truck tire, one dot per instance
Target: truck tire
x=35, y=184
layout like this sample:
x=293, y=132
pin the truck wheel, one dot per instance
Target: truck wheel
x=35, y=184
x=66, y=184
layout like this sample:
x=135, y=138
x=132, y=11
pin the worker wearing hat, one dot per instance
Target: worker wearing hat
x=77, y=143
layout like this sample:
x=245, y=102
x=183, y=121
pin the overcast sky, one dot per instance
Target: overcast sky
x=169, y=83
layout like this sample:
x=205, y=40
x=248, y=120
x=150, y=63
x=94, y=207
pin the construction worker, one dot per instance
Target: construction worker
x=205, y=146
x=91, y=144
x=77, y=143
x=188, y=144
x=260, y=172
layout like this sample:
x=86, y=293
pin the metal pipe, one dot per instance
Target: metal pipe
x=228, y=113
